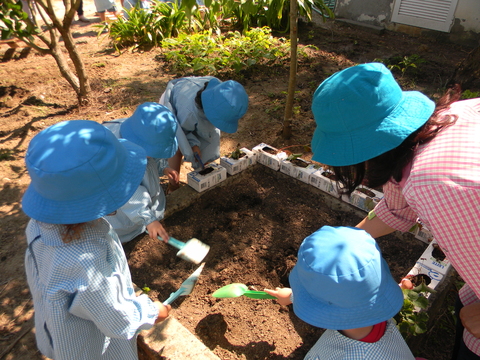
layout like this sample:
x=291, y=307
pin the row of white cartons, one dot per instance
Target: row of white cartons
x=324, y=180
x=365, y=198
x=269, y=156
x=234, y=166
x=299, y=169
x=204, y=179
x=315, y=175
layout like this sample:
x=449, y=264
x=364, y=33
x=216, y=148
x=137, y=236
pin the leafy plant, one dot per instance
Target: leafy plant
x=205, y=53
x=403, y=63
x=411, y=320
x=467, y=94
x=147, y=27
x=293, y=156
x=272, y=13
x=237, y=153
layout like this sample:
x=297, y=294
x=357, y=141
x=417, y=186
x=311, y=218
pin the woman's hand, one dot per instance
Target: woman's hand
x=470, y=317
x=283, y=295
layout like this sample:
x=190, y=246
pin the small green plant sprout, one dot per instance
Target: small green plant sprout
x=146, y=289
x=293, y=157
x=6, y=154
x=237, y=153
x=411, y=320
x=402, y=63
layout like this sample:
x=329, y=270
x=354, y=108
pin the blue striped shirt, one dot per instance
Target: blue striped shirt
x=148, y=202
x=84, y=300
x=332, y=345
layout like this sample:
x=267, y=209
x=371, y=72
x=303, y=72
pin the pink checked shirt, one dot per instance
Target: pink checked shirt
x=443, y=190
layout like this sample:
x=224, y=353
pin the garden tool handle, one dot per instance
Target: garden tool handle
x=258, y=295
x=173, y=296
x=176, y=243
x=172, y=241
x=199, y=159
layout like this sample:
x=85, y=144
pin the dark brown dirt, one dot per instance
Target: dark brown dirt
x=254, y=229
x=34, y=96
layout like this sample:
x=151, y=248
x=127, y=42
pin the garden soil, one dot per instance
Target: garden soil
x=254, y=228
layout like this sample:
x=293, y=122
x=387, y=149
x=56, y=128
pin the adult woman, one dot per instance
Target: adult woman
x=426, y=157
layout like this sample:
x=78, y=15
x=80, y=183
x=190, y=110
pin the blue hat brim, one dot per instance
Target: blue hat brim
x=167, y=150
x=344, y=148
x=385, y=304
x=85, y=209
x=224, y=113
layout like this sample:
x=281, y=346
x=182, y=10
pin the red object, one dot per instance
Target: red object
x=376, y=333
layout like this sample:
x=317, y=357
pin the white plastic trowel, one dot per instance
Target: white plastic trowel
x=193, y=250
x=187, y=286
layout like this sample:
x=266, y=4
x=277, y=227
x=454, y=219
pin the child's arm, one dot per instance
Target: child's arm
x=283, y=295
x=104, y=293
x=139, y=211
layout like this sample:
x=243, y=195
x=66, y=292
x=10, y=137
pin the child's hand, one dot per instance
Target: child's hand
x=196, y=149
x=156, y=229
x=163, y=311
x=283, y=295
x=173, y=175
x=406, y=283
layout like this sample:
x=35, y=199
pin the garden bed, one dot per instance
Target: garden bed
x=254, y=226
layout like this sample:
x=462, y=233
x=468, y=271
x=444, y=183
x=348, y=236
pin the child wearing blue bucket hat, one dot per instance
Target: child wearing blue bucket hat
x=152, y=126
x=426, y=156
x=203, y=106
x=84, y=300
x=342, y=283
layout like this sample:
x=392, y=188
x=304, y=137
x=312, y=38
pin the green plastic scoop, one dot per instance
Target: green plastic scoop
x=236, y=290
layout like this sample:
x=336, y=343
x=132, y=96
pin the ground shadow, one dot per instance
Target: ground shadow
x=211, y=330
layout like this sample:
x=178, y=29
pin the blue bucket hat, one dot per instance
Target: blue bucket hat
x=80, y=172
x=361, y=112
x=153, y=127
x=224, y=103
x=342, y=282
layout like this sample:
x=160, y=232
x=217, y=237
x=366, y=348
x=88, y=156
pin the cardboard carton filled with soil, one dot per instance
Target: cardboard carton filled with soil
x=254, y=228
x=238, y=160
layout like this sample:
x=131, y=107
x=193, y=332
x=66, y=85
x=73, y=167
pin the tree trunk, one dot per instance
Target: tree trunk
x=51, y=28
x=83, y=89
x=292, y=80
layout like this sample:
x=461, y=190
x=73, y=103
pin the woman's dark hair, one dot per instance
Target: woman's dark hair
x=377, y=171
x=198, y=97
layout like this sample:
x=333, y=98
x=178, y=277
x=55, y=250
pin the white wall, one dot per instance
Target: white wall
x=468, y=12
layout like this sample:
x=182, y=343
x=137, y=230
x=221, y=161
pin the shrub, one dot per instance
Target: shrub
x=207, y=54
x=147, y=27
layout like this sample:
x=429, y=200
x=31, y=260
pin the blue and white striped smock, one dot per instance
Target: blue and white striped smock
x=332, y=345
x=85, y=304
x=148, y=202
x=194, y=129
